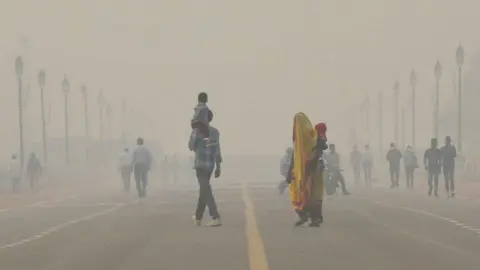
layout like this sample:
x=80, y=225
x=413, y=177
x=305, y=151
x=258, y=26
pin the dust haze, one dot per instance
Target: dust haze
x=260, y=62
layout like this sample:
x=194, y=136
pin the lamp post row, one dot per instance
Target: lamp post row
x=460, y=59
x=19, y=70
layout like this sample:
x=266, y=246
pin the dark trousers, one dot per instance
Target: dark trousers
x=409, y=173
x=205, y=196
x=341, y=180
x=33, y=180
x=126, y=175
x=395, y=175
x=367, y=169
x=448, y=173
x=141, y=172
x=433, y=181
x=313, y=211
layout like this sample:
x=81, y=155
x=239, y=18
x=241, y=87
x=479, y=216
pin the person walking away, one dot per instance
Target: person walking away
x=333, y=164
x=394, y=156
x=367, y=164
x=411, y=163
x=15, y=171
x=208, y=159
x=449, y=153
x=432, y=160
x=284, y=169
x=34, y=170
x=142, y=160
x=125, y=169
x=355, y=161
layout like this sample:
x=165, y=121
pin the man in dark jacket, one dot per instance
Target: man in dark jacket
x=433, y=162
x=449, y=153
x=394, y=156
x=34, y=170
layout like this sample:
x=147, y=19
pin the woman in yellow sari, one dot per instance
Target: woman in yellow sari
x=306, y=170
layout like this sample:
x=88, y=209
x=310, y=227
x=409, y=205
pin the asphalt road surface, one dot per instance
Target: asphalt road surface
x=105, y=229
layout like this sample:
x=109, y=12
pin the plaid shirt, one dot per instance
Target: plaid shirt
x=207, y=151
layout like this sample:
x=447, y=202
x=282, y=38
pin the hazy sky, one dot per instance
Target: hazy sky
x=260, y=61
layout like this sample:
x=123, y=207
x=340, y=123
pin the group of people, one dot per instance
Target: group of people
x=139, y=162
x=330, y=163
x=204, y=142
x=362, y=160
x=33, y=172
x=304, y=166
x=410, y=162
x=435, y=161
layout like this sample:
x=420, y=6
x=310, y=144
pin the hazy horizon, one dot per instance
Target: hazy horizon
x=259, y=61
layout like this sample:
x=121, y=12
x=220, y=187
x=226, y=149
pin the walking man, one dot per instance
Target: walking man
x=34, y=170
x=142, y=160
x=125, y=168
x=432, y=160
x=333, y=167
x=207, y=161
x=449, y=153
x=411, y=163
x=394, y=156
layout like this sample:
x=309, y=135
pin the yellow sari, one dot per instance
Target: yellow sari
x=304, y=187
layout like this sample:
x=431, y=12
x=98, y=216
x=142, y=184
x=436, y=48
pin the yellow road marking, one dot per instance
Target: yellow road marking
x=256, y=249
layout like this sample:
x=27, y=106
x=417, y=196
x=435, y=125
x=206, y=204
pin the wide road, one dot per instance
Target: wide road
x=104, y=229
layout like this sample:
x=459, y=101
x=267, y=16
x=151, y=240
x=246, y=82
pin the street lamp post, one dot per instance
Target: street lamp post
x=367, y=117
x=460, y=59
x=438, y=75
x=101, y=103
x=19, y=73
x=108, y=113
x=380, y=122
x=413, y=83
x=403, y=126
x=396, y=90
x=41, y=82
x=87, y=132
x=124, y=120
x=66, y=90
x=361, y=119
